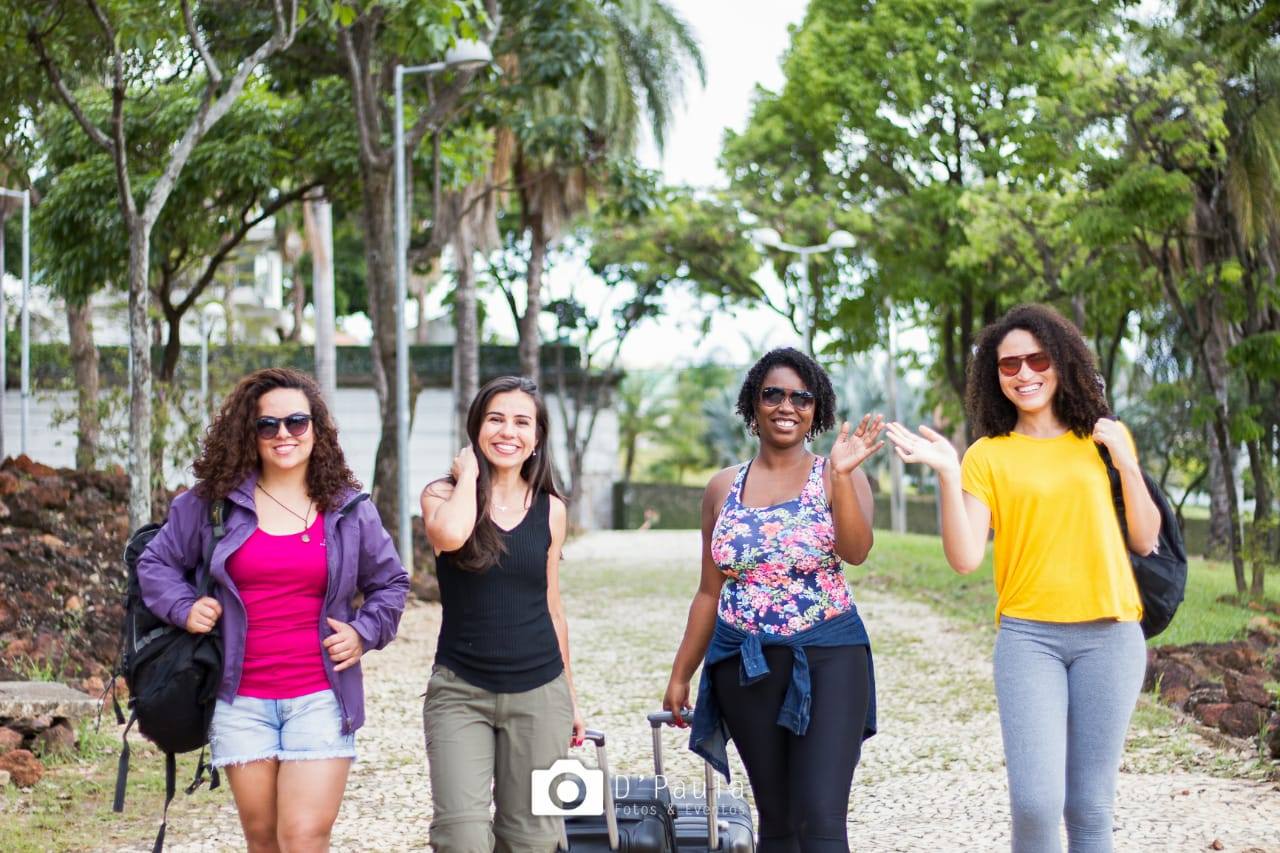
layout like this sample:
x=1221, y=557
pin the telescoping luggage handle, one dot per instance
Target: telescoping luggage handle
x=666, y=718
x=610, y=815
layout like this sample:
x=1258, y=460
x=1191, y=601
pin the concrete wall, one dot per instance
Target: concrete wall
x=431, y=444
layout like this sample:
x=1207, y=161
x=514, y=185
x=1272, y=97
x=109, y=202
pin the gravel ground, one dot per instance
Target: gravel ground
x=932, y=779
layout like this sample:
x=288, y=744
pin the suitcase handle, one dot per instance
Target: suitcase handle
x=610, y=815
x=666, y=718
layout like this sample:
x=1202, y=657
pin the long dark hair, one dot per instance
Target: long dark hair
x=229, y=452
x=1079, y=400
x=485, y=547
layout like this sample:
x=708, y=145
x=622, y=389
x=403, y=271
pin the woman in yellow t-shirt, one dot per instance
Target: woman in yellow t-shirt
x=1069, y=655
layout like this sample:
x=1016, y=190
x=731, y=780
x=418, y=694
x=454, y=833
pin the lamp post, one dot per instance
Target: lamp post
x=838, y=239
x=25, y=195
x=462, y=56
x=208, y=313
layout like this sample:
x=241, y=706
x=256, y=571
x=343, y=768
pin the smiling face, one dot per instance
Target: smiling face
x=508, y=432
x=1030, y=391
x=283, y=451
x=783, y=424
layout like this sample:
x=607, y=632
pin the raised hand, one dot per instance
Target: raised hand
x=928, y=448
x=464, y=467
x=1110, y=435
x=852, y=449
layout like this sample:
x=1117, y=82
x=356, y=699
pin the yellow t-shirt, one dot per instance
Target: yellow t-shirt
x=1059, y=552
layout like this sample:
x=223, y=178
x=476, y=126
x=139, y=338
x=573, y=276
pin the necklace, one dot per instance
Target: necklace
x=499, y=506
x=306, y=519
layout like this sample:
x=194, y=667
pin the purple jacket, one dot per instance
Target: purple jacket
x=362, y=559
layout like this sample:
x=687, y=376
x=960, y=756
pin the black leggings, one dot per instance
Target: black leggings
x=801, y=782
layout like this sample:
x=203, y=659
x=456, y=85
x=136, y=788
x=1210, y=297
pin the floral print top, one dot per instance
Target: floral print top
x=780, y=564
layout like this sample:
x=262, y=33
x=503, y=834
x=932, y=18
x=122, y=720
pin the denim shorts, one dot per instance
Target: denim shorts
x=306, y=727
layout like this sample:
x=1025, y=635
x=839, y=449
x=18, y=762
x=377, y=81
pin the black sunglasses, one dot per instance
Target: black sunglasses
x=773, y=396
x=297, y=424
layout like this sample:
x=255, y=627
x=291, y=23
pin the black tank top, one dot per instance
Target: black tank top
x=496, y=631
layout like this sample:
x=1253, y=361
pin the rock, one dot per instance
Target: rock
x=58, y=739
x=10, y=739
x=1213, y=694
x=1241, y=658
x=1242, y=719
x=24, y=767
x=1210, y=714
x=26, y=465
x=51, y=541
x=51, y=495
x=5, y=778
x=1175, y=695
x=1217, y=845
x=9, y=484
x=74, y=604
x=1245, y=689
x=1271, y=739
x=425, y=586
x=1171, y=674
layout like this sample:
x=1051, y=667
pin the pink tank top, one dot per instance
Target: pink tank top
x=282, y=582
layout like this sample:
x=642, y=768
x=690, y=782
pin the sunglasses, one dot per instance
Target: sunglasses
x=1037, y=361
x=773, y=396
x=297, y=424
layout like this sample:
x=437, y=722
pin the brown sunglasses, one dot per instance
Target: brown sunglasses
x=1037, y=361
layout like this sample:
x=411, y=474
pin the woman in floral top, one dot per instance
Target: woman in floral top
x=787, y=671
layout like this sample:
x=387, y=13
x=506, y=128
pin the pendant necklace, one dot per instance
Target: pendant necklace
x=306, y=519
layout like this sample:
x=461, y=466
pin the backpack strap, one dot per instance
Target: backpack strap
x=122, y=768
x=170, y=788
x=217, y=518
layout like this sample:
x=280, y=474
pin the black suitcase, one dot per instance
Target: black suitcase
x=731, y=830
x=638, y=817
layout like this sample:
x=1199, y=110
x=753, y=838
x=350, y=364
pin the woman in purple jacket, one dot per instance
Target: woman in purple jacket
x=301, y=541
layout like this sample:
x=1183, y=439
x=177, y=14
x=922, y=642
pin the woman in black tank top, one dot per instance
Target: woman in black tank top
x=500, y=703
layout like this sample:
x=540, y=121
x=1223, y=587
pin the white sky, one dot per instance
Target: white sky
x=742, y=44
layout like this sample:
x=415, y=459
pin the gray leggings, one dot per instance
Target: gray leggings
x=1066, y=691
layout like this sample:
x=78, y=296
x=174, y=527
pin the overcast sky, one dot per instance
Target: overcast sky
x=742, y=43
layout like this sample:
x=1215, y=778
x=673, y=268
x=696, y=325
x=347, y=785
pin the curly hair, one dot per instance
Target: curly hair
x=815, y=379
x=1079, y=400
x=229, y=453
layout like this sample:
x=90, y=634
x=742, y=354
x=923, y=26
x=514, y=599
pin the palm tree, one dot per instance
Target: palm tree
x=559, y=144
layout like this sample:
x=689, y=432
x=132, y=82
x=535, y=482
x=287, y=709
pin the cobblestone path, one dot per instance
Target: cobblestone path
x=932, y=779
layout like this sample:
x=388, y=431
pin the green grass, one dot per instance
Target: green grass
x=913, y=566
x=70, y=808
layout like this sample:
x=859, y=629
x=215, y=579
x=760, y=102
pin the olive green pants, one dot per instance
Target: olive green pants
x=483, y=747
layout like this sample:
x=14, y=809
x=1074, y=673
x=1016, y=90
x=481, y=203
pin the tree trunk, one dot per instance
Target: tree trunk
x=1218, y=545
x=1260, y=532
x=139, y=377
x=379, y=234
x=466, y=346
x=425, y=285
x=530, y=339
x=318, y=224
x=84, y=363
x=299, y=296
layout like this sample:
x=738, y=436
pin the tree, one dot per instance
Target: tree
x=579, y=77
x=372, y=39
x=134, y=45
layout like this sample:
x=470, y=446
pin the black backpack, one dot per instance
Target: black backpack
x=172, y=674
x=1162, y=574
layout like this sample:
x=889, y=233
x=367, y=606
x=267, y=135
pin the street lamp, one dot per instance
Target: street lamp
x=464, y=55
x=207, y=314
x=25, y=195
x=839, y=239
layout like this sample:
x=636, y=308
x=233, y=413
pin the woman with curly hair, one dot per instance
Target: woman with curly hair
x=500, y=701
x=1069, y=655
x=787, y=669
x=301, y=544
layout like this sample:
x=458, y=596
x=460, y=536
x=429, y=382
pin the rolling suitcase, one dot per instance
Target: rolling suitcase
x=717, y=821
x=638, y=815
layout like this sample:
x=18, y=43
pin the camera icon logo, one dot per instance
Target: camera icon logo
x=568, y=788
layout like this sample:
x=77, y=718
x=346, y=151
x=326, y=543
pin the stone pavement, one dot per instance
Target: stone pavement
x=932, y=779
